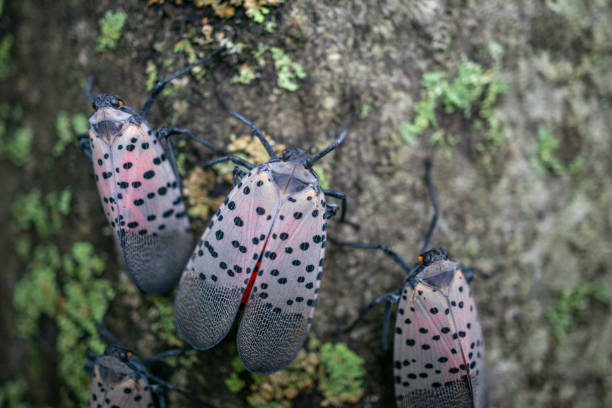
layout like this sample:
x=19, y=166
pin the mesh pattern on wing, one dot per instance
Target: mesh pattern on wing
x=454, y=394
x=198, y=322
x=273, y=340
x=277, y=318
x=155, y=263
x=217, y=275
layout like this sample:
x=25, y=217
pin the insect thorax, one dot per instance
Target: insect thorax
x=108, y=123
x=292, y=176
x=438, y=275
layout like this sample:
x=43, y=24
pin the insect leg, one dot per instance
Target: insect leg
x=470, y=272
x=340, y=196
x=165, y=354
x=237, y=174
x=89, y=364
x=384, y=338
x=333, y=145
x=434, y=200
x=169, y=386
x=161, y=84
x=165, y=133
x=174, y=164
x=104, y=331
x=158, y=390
x=235, y=159
x=256, y=131
x=84, y=145
x=331, y=210
x=392, y=297
x=388, y=251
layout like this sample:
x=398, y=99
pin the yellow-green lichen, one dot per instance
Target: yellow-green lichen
x=69, y=288
x=572, y=304
x=111, y=26
x=287, y=72
x=546, y=156
x=333, y=369
x=66, y=128
x=473, y=91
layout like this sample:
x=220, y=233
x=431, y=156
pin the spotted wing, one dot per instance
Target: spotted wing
x=279, y=312
x=439, y=351
x=113, y=383
x=144, y=206
x=217, y=275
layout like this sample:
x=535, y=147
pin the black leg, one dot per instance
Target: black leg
x=235, y=159
x=89, y=364
x=161, y=84
x=332, y=146
x=165, y=354
x=174, y=165
x=169, y=386
x=256, y=131
x=331, y=210
x=392, y=297
x=434, y=200
x=84, y=145
x=340, y=196
x=237, y=174
x=104, y=331
x=384, y=338
x=470, y=273
x=165, y=133
x=388, y=251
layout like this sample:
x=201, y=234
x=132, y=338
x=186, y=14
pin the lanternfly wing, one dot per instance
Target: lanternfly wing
x=279, y=312
x=113, y=383
x=439, y=351
x=219, y=271
x=141, y=199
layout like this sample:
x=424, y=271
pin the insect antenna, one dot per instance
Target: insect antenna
x=104, y=331
x=88, y=86
x=163, y=355
x=161, y=84
x=434, y=201
x=333, y=145
x=256, y=131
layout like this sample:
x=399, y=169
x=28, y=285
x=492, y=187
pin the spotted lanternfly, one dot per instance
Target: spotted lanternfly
x=120, y=379
x=262, y=254
x=139, y=189
x=438, y=358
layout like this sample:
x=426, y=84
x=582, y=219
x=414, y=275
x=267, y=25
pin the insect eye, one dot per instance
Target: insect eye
x=427, y=258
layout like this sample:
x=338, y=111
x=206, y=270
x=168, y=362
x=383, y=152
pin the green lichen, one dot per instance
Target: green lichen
x=66, y=128
x=342, y=378
x=287, y=71
x=546, y=156
x=572, y=304
x=16, y=145
x=13, y=393
x=43, y=213
x=234, y=383
x=76, y=305
x=473, y=92
x=69, y=287
x=245, y=76
x=6, y=65
x=334, y=368
x=164, y=327
x=111, y=26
